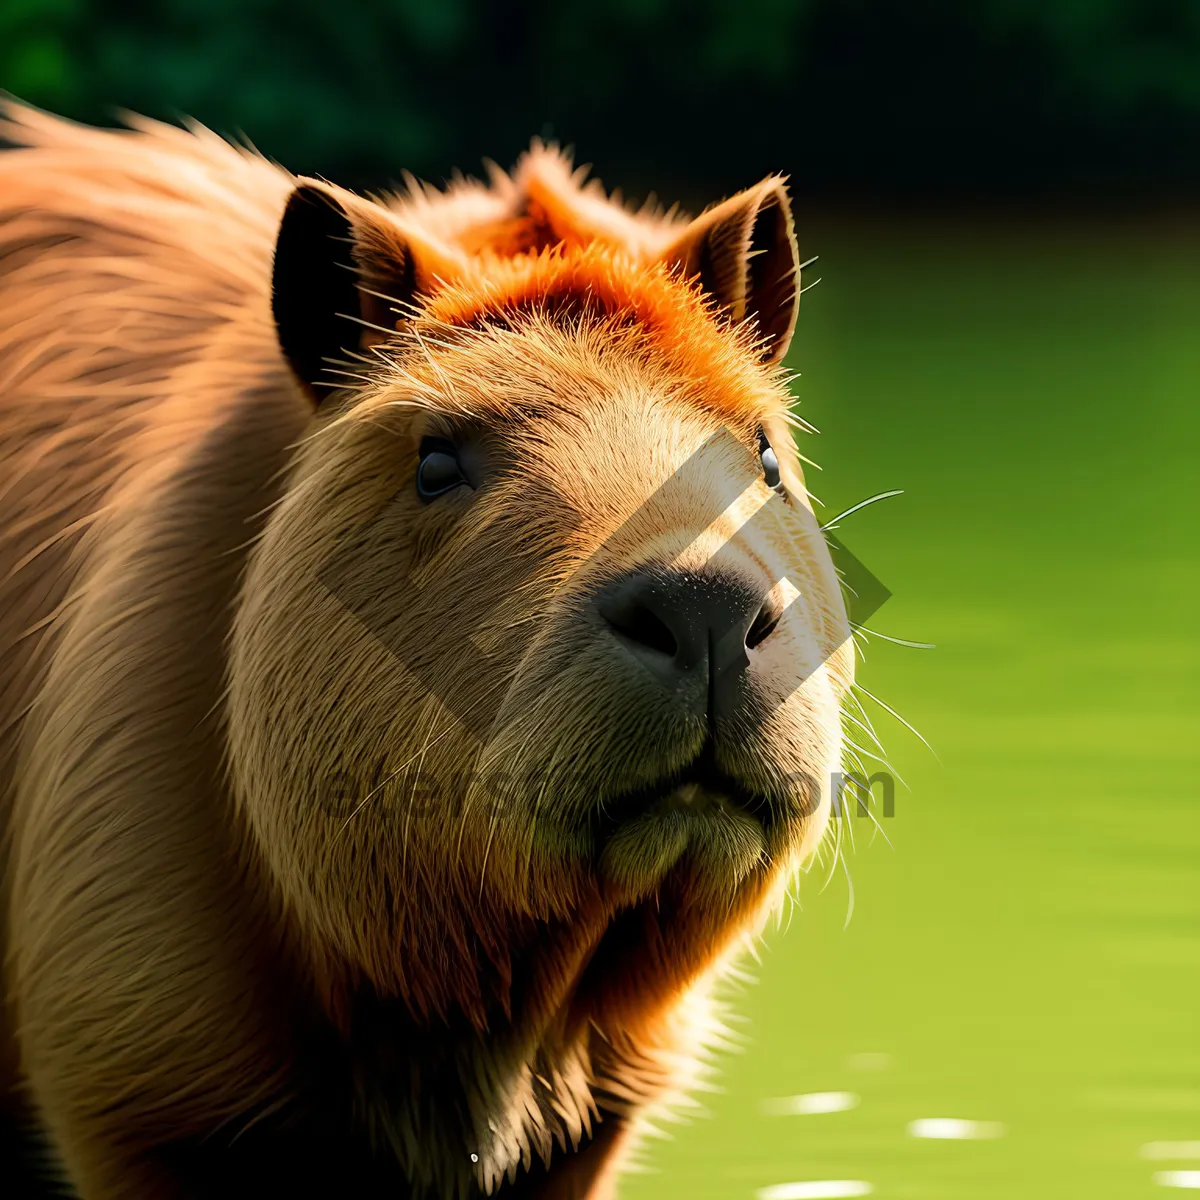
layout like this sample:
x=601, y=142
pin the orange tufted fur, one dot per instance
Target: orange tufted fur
x=214, y=983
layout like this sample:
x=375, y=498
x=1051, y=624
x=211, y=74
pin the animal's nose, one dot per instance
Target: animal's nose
x=682, y=623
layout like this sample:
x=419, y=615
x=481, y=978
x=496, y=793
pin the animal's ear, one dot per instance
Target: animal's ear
x=344, y=277
x=743, y=253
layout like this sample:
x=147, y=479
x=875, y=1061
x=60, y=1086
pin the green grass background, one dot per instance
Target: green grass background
x=1028, y=949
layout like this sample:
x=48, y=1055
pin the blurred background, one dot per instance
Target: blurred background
x=868, y=102
x=1004, y=197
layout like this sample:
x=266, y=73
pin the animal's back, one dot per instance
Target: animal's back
x=134, y=274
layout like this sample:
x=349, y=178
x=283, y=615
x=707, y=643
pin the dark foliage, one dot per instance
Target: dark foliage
x=876, y=101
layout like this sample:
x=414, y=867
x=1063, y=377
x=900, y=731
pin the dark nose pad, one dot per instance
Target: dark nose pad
x=679, y=624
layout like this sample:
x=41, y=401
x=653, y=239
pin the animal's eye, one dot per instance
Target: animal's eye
x=770, y=465
x=438, y=470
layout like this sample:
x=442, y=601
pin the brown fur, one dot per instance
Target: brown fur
x=195, y=947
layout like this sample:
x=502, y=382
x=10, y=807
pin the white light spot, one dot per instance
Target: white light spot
x=474, y=1157
x=955, y=1129
x=810, y=1103
x=815, y=1189
x=1178, y=1179
x=869, y=1062
x=1167, y=1150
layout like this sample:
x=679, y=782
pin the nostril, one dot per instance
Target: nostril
x=763, y=625
x=681, y=623
x=636, y=622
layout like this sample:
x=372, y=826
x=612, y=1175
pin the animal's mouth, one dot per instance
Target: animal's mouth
x=699, y=784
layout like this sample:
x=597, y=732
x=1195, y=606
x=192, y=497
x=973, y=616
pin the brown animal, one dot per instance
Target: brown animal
x=420, y=665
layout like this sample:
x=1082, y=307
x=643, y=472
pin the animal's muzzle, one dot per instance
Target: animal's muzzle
x=695, y=632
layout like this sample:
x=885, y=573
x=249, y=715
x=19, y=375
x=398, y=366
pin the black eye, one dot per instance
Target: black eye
x=770, y=464
x=438, y=470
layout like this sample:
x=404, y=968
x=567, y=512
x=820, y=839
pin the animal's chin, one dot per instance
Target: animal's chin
x=698, y=820
x=696, y=787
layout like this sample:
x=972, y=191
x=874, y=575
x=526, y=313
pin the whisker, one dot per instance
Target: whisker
x=863, y=806
x=862, y=712
x=412, y=791
x=887, y=637
x=378, y=787
x=487, y=850
x=832, y=523
x=367, y=324
x=883, y=762
x=890, y=710
x=865, y=728
x=880, y=828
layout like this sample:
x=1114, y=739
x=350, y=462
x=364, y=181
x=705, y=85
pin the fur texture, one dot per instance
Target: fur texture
x=272, y=910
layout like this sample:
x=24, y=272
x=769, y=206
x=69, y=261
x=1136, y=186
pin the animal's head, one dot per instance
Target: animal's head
x=538, y=668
